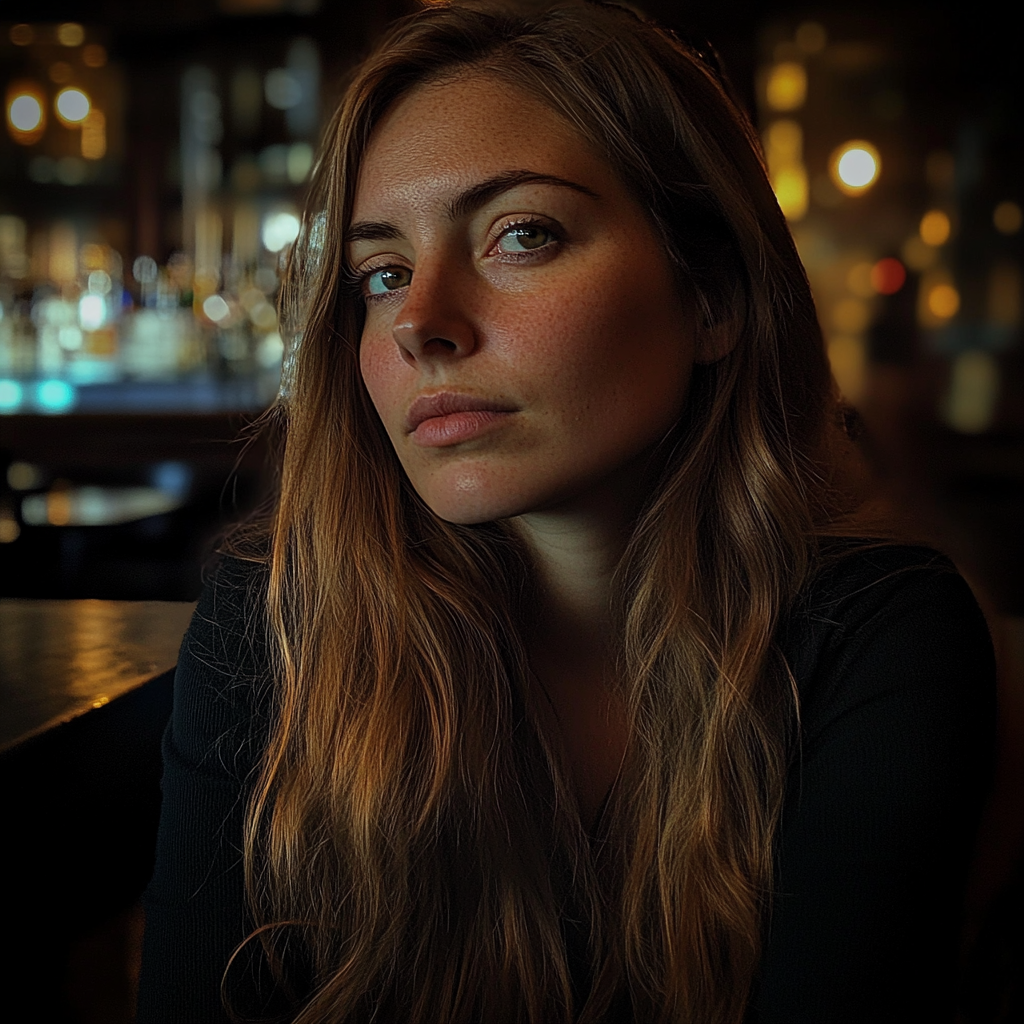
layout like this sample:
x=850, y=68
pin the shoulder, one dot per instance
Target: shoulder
x=228, y=630
x=878, y=620
x=223, y=681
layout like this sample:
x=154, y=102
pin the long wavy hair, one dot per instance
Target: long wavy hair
x=413, y=830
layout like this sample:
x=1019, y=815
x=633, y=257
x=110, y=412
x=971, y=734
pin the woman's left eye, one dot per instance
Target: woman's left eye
x=524, y=238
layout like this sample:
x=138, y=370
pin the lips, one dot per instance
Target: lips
x=448, y=417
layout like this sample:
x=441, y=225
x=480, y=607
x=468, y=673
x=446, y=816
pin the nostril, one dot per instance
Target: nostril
x=440, y=345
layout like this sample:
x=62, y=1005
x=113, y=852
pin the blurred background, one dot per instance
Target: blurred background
x=153, y=158
x=152, y=167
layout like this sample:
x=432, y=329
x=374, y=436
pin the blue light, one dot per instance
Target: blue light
x=55, y=396
x=10, y=396
x=173, y=478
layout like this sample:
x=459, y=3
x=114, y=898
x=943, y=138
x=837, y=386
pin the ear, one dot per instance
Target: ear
x=717, y=340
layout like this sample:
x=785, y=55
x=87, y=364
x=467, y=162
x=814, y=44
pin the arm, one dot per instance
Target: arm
x=195, y=907
x=882, y=805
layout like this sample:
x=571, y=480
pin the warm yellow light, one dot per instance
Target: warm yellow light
x=786, y=88
x=784, y=153
x=72, y=106
x=94, y=135
x=1008, y=217
x=10, y=531
x=70, y=34
x=855, y=166
x=785, y=139
x=26, y=112
x=943, y=301
x=935, y=228
x=790, y=187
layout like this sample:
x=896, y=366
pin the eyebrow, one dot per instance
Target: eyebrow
x=467, y=201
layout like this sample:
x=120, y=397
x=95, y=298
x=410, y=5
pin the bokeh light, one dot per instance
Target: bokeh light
x=1007, y=217
x=94, y=56
x=92, y=311
x=22, y=35
x=25, y=113
x=888, y=276
x=279, y=230
x=72, y=106
x=216, y=308
x=973, y=390
x=858, y=279
x=943, y=301
x=935, y=228
x=786, y=88
x=855, y=166
x=94, y=135
x=282, y=89
x=811, y=37
x=55, y=396
x=10, y=395
x=70, y=34
x=60, y=72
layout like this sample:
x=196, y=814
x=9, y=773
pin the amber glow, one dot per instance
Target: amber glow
x=786, y=170
x=935, y=228
x=943, y=301
x=786, y=88
x=26, y=112
x=94, y=135
x=1007, y=217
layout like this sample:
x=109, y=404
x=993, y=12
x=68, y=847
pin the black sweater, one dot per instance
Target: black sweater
x=895, y=671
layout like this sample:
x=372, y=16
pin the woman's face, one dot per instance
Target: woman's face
x=525, y=342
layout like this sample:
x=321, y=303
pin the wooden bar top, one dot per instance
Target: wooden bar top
x=59, y=659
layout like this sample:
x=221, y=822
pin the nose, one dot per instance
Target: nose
x=434, y=322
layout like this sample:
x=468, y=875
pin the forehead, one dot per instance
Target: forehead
x=442, y=137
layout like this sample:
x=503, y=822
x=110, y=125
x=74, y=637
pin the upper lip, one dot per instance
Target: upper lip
x=447, y=402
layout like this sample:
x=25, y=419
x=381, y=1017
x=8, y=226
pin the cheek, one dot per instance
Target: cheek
x=382, y=369
x=610, y=339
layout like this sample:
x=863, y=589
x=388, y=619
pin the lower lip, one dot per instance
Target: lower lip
x=439, y=431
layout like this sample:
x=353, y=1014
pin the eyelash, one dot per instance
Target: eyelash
x=359, y=279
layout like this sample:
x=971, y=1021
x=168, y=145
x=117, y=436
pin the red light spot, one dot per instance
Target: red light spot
x=888, y=276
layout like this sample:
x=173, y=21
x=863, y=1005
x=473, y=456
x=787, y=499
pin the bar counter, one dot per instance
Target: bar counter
x=61, y=659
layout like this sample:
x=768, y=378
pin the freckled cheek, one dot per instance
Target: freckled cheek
x=382, y=370
x=572, y=342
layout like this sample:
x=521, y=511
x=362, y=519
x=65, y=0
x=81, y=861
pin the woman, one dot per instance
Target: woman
x=555, y=692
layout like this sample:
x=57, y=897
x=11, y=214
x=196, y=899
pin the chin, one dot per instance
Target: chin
x=468, y=500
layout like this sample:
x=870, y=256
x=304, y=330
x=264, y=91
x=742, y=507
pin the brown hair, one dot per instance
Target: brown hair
x=411, y=822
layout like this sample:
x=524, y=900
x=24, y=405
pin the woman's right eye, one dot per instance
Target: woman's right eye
x=387, y=279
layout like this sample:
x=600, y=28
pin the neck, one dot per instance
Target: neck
x=576, y=548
